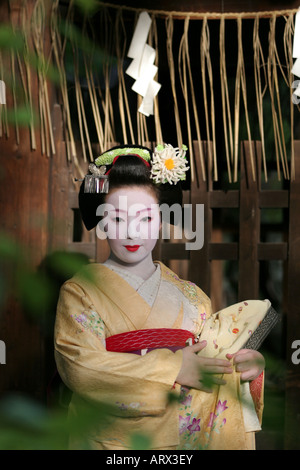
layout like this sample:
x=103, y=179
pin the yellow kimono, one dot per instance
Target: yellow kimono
x=98, y=303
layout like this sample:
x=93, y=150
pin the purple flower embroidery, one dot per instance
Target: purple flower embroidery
x=183, y=424
x=81, y=318
x=221, y=407
x=195, y=426
x=186, y=400
x=211, y=420
x=121, y=406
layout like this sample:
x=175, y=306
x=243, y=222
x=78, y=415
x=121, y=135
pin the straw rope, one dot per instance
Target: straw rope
x=169, y=31
x=25, y=73
x=58, y=51
x=275, y=98
x=38, y=34
x=288, y=48
x=123, y=122
x=153, y=41
x=205, y=59
x=182, y=64
x=227, y=123
x=241, y=65
x=192, y=15
x=122, y=95
x=259, y=63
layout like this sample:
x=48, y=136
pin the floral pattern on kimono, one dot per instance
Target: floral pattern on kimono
x=139, y=386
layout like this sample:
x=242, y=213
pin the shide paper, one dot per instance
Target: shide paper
x=142, y=68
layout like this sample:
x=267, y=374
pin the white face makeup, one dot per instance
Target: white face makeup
x=132, y=224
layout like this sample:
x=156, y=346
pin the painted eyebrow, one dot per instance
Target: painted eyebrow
x=138, y=212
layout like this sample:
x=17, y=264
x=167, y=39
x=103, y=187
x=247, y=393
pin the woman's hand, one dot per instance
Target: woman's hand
x=249, y=362
x=199, y=372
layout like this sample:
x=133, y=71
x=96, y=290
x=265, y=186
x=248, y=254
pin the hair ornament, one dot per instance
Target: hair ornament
x=169, y=164
x=97, y=180
x=107, y=158
x=97, y=171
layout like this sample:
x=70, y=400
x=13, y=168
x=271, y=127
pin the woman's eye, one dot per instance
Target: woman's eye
x=146, y=219
x=117, y=219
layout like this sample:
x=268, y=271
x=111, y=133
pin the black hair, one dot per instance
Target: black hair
x=128, y=170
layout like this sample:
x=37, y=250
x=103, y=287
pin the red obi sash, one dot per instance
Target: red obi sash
x=142, y=341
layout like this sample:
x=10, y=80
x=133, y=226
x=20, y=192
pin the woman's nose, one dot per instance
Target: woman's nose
x=133, y=231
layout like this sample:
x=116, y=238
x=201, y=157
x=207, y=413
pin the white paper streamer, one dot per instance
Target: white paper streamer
x=296, y=68
x=147, y=106
x=296, y=44
x=296, y=55
x=297, y=91
x=142, y=67
x=140, y=36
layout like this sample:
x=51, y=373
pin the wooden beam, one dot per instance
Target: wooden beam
x=223, y=251
x=272, y=251
x=274, y=199
x=224, y=199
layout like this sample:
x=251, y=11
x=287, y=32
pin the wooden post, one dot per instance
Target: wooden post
x=59, y=182
x=199, y=271
x=292, y=410
x=249, y=231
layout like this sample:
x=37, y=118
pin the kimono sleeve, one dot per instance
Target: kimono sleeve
x=140, y=384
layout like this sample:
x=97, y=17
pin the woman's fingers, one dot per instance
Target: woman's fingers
x=248, y=362
x=197, y=347
x=216, y=366
x=211, y=365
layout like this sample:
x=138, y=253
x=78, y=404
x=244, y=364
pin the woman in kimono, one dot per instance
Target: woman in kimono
x=130, y=334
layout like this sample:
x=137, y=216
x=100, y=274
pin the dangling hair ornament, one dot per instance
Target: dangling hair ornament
x=169, y=164
x=97, y=181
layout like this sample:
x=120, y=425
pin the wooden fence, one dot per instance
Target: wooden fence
x=246, y=247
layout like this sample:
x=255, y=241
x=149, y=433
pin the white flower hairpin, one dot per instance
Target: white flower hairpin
x=169, y=164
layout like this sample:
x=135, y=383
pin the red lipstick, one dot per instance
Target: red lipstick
x=132, y=247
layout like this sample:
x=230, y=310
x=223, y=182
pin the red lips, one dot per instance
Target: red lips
x=132, y=247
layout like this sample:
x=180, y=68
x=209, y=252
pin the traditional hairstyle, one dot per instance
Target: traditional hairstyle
x=131, y=166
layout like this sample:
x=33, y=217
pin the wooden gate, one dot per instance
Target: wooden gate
x=240, y=241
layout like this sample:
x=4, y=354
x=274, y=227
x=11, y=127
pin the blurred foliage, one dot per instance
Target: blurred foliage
x=10, y=40
x=140, y=442
x=89, y=7
x=26, y=424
